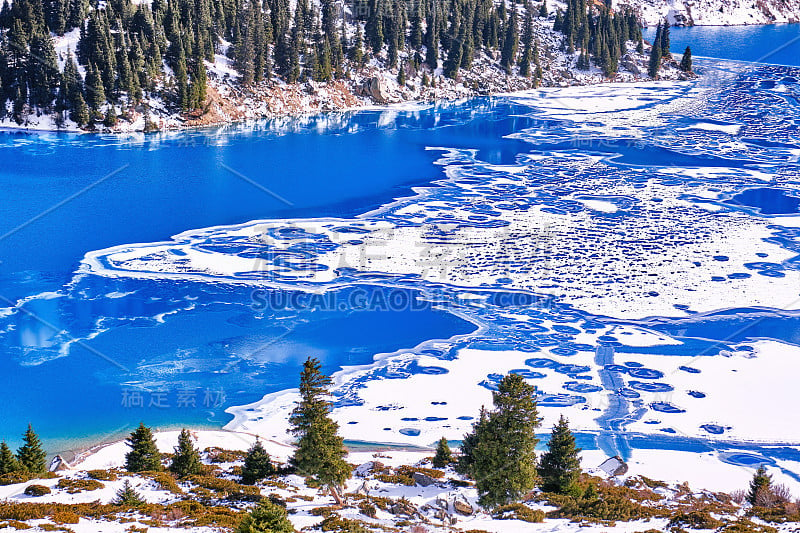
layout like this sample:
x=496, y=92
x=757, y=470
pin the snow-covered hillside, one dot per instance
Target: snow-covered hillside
x=715, y=12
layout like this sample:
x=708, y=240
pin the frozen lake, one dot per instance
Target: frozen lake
x=631, y=249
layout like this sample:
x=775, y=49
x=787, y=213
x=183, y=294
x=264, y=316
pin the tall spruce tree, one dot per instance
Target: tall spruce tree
x=320, y=450
x=560, y=465
x=144, y=454
x=30, y=456
x=508, y=55
x=664, y=41
x=502, y=450
x=186, y=460
x=8, y=463
x=655, y=58
x=257, y=464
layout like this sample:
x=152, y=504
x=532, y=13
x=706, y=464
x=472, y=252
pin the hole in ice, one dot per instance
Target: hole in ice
x=666, y=407
x=696, y=394
x=628, y=393
x=645, y=373
x=651, y=387
x=411, y=432
x=574, y=386
x=689, y=369
x=559, y=400
x=744, y=459
x=527, y=374
x=713, y=429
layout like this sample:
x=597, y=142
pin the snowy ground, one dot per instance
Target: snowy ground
x=672, y=467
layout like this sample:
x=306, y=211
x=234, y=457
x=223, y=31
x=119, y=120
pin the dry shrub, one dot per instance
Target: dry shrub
x=74, y=486
x=518, y=511
x=164, y=481
x=65, y=517
x=102, y=475
x=695, y=520
x=37, y=490
x=219, y=455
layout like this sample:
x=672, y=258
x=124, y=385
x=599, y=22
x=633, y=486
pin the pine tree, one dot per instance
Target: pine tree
x=510, y=44
x=320, y=450
x=8, y=463
x=95, y=91
x=664, y=41
x=655, y=60
x=110, y=119
x=431, y=43
x=500, y=454
x=760, y=485
x=79, y=111
x=257, y=464
x=186, y=460
x=144, y=454
x=686, y=61
x=443, y=455
x=267, y=517
x=128, y=497
x=401, y=75
x=560, y=466
x=30, y=455
x=543, y=9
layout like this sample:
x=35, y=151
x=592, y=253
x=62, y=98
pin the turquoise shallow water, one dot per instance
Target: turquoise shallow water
x=88, y=355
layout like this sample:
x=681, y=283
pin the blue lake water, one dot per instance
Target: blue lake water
x=87, y=355
x=778, y=44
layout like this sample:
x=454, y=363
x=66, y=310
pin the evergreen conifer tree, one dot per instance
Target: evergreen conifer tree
x=30, y=456
x=560, y=466
x=655, y=59
x=686, y=61
x=543, y=9
x=128, y=497
x=443, y=455
x=508, y=55
x=267, y=517
x=760, y=486
x=8, y=463
x=110, y=119
x=144, y=454
x=186, y=460
x=401, y=75
x=502, y=456
x=320, y=450
x=664, y=41
x=257, y=464
x=79, y=111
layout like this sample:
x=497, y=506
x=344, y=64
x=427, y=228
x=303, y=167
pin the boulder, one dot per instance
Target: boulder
x=373, y=87
x=58, y=464
x=368, y=468
x=629, y=64
x=403, y=507
x=423, y=480
x=614, y=466
x=463, y=508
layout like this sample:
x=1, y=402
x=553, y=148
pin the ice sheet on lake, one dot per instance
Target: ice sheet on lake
x=621, y=210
